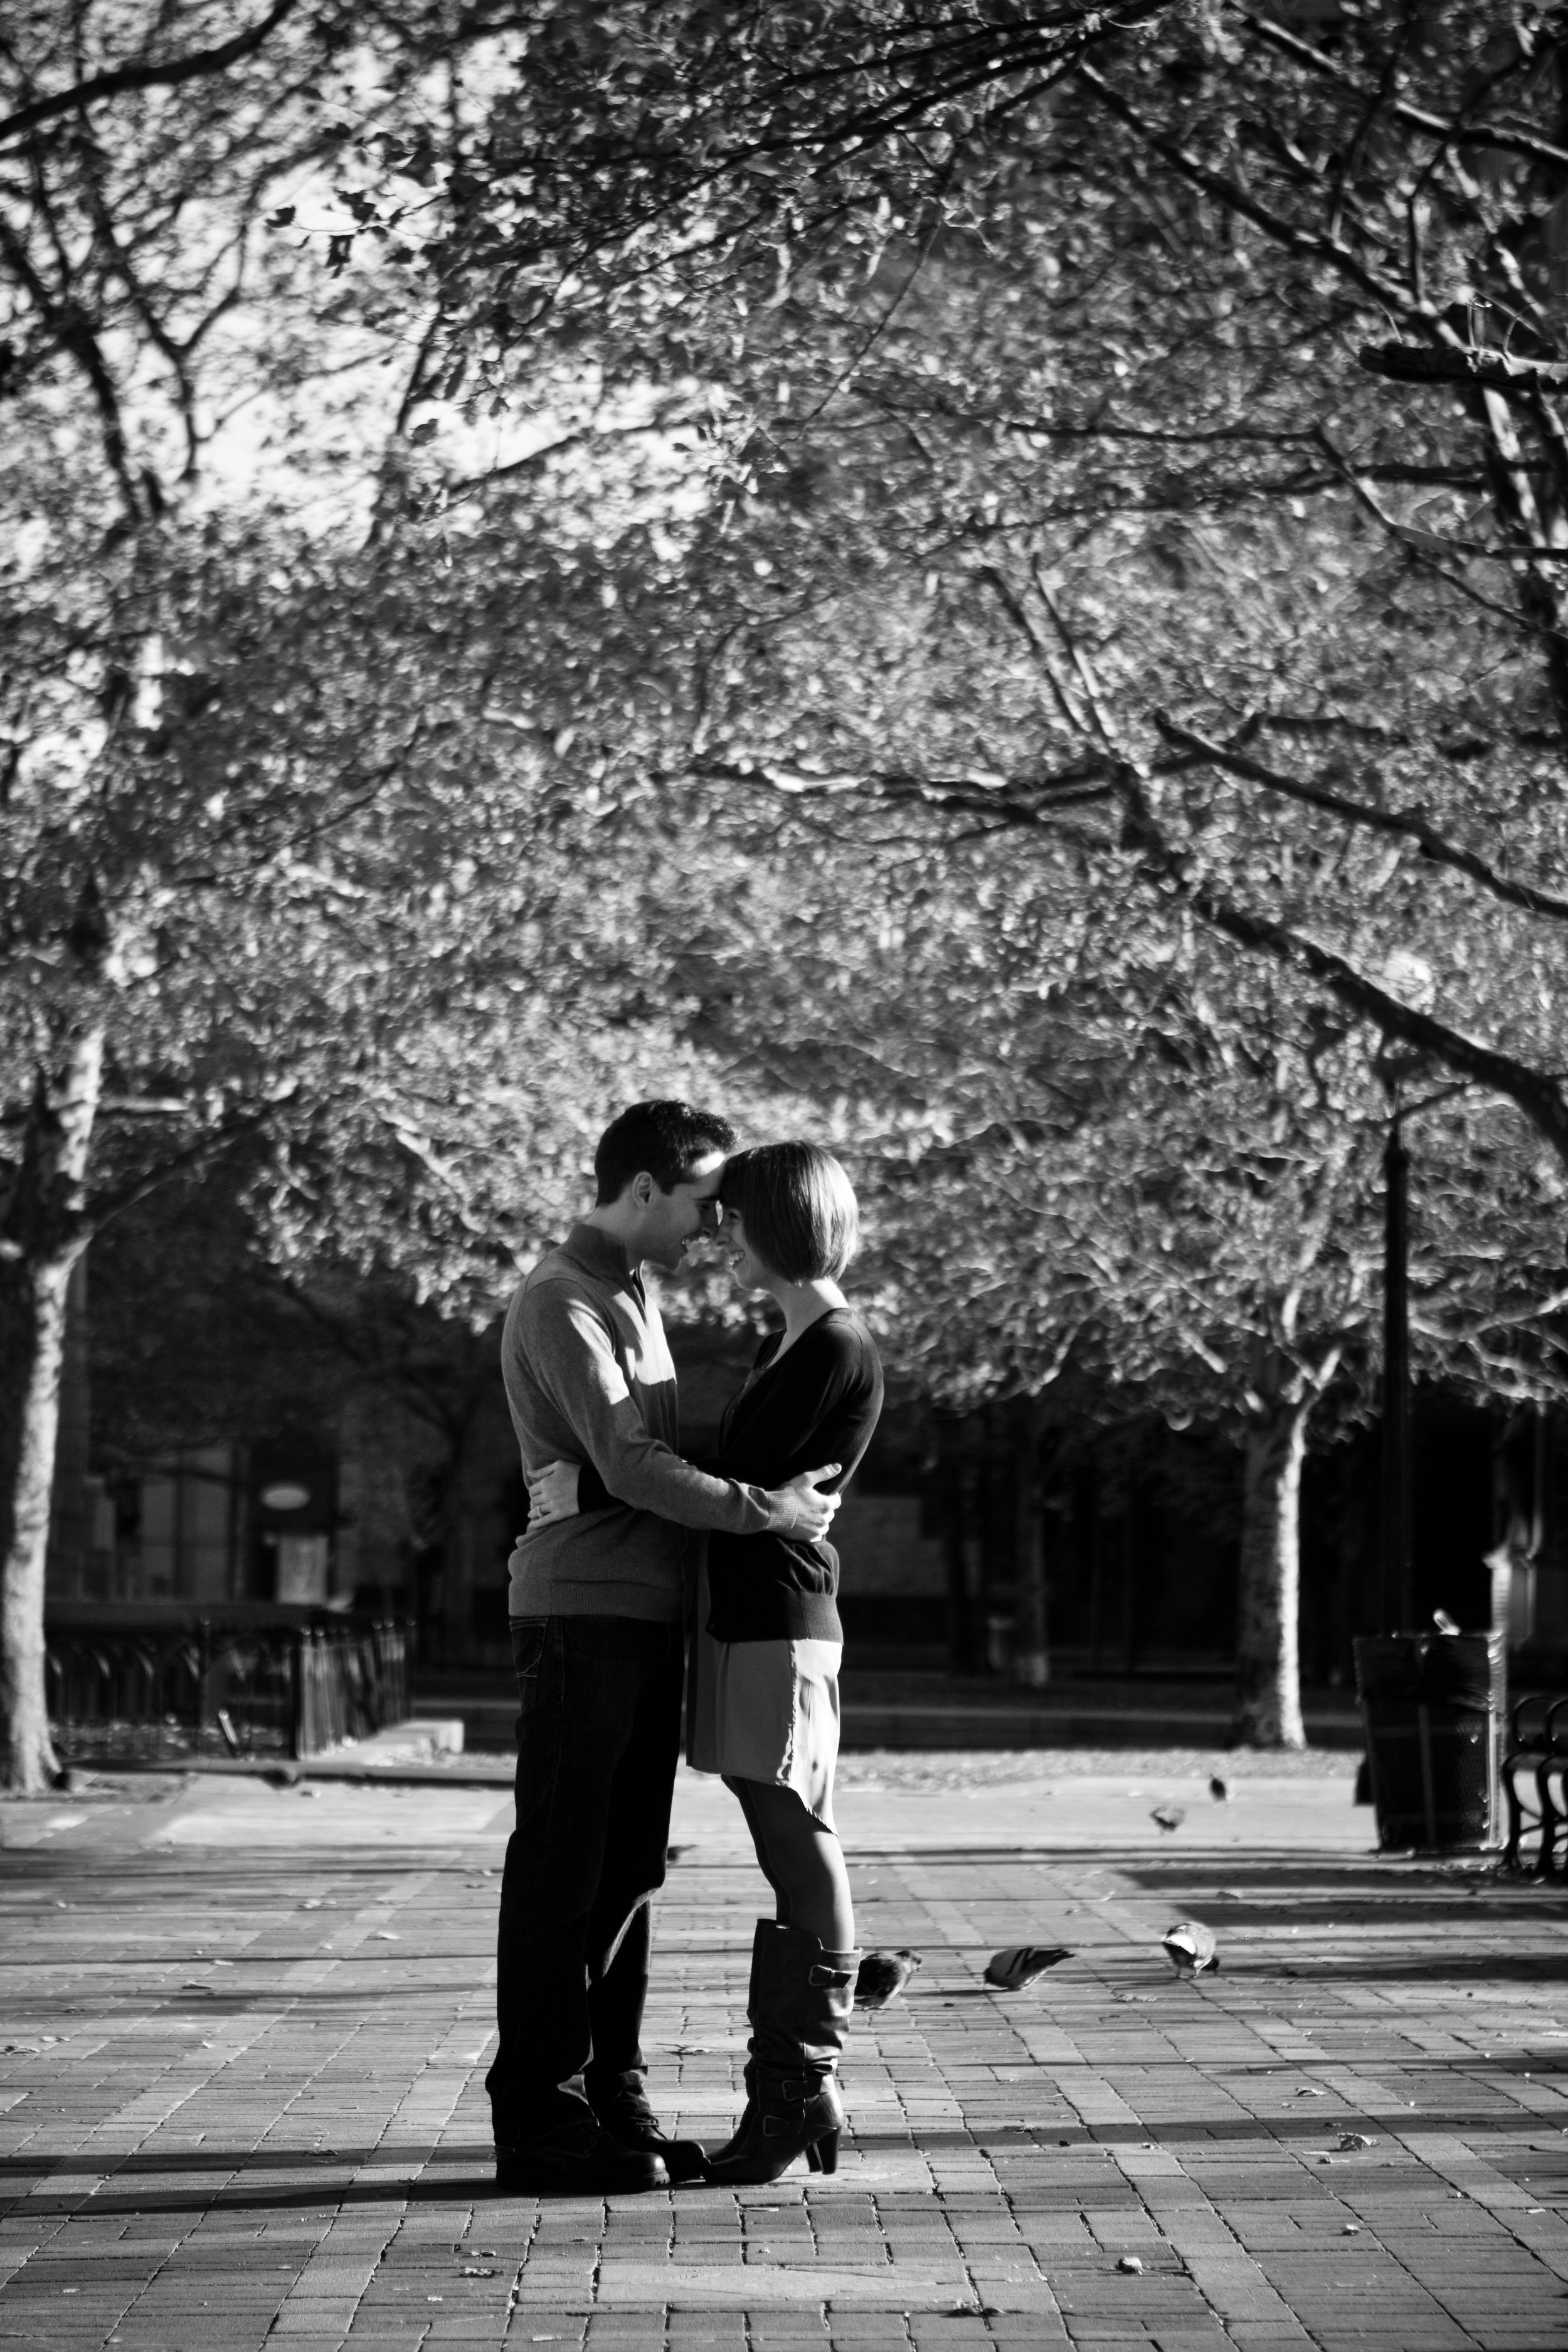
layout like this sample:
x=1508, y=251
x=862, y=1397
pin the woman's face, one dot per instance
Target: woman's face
x=746, y=1267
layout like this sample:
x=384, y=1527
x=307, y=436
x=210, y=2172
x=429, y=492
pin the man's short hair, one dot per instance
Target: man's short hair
x=666, y=1139
x=799, y=1207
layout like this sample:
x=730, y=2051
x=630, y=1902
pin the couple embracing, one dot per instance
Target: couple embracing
x=627, y=1544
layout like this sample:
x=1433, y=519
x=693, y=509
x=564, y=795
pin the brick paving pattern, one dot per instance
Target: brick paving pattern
x=240, y=2094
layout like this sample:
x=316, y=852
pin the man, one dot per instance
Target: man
x=597, y=1604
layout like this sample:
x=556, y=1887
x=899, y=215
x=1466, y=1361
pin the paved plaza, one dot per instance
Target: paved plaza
x=246, y=2028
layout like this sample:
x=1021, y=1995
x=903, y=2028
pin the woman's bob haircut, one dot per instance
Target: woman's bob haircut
x=799, y=1209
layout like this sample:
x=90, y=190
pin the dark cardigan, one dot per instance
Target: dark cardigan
x=820, y=1403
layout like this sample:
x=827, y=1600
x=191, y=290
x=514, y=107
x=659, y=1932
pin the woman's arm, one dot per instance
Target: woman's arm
x=563, y=1490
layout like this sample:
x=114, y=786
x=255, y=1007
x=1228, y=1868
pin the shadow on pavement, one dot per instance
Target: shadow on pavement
x=461, y=2172
x=1390, y=1900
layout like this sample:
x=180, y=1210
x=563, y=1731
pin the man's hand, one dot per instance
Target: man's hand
x=552, y=1493
x=810, y=1514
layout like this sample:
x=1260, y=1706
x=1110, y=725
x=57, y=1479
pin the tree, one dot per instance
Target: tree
x=973, y=406
x=277, y=874
x=634, y=178
x=1050, y=500
x=1114, y=1172
x=1204, y=212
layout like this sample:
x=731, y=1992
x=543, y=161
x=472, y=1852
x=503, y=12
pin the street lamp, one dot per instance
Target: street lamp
x=1398, y=1597
x=1397, y=1608
x=1432, y=1703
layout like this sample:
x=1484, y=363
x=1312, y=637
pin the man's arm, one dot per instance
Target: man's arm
x=571, y=1356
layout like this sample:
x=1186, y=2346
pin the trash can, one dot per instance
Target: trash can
x=1433, y=1704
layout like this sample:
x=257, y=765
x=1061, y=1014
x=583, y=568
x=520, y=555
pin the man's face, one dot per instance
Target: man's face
x=672, y=1221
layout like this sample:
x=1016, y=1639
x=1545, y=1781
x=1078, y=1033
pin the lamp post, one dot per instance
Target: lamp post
x=1398, y=1595
x=1432, y=1702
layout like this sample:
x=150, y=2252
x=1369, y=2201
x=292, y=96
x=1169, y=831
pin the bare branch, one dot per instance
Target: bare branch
x=1538, y=1095
x=200, y=1153
x=1484, y=369
x=1383, y=290
x=1447, y=132
x=67, y=323
x=1413, y=824
x=145, y=75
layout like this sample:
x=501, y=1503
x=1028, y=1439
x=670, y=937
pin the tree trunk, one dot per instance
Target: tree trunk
x=997, y=1593
x=43, y=1234
x=955, y=1560
x=1031, y=1653
x=1267, y=1663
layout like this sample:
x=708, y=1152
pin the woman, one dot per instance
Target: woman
x=764, y=1698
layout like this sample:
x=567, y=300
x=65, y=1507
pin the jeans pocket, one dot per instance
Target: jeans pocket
x=527, y=1639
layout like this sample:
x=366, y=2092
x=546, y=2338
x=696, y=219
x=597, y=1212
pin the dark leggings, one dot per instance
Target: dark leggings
x=802, y=1860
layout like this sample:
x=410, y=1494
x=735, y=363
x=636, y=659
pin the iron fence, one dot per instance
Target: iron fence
x=158, y=1684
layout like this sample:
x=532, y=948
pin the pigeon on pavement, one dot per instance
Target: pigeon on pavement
x=1189, y=1946
x=1218, y=1790
x=1170, y=1817
x=1020, y=1964
x=883, y=1975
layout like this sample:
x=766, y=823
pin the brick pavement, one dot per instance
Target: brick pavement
x=242, y=2103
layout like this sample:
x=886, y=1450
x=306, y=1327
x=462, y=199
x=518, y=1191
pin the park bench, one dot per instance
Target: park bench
x=1536, y=1749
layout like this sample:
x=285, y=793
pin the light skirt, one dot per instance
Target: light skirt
x=765, y=1711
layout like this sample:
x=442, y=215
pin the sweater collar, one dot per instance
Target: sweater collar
x=596, y=1252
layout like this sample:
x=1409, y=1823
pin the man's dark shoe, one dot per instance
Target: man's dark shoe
x=631, y=2123
x=577, y=2159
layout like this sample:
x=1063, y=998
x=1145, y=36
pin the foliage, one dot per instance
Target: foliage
x=1101, y=407
x=632, y=175
x=275, y=837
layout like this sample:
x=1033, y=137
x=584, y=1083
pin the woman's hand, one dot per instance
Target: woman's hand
x=552, y=1493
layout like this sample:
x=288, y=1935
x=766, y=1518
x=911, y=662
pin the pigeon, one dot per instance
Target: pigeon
x=1020, y=1964
x=882, y=1976
x=1189, y=1946
x=1218, y=1790
x=1170, y=1817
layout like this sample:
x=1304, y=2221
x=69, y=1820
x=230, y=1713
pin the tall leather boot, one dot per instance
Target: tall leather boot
x=740, y=2137
x=799, y=2006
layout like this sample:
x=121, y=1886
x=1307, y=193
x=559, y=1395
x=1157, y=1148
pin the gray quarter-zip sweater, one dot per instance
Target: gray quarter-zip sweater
x=589, y=1379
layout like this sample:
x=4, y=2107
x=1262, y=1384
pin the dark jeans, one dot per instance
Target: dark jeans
x=598, y=1741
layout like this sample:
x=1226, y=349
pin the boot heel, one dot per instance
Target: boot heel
x=823, y=2156
x=813, y=2161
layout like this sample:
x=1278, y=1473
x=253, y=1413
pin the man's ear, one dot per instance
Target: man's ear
x=643, y=1189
